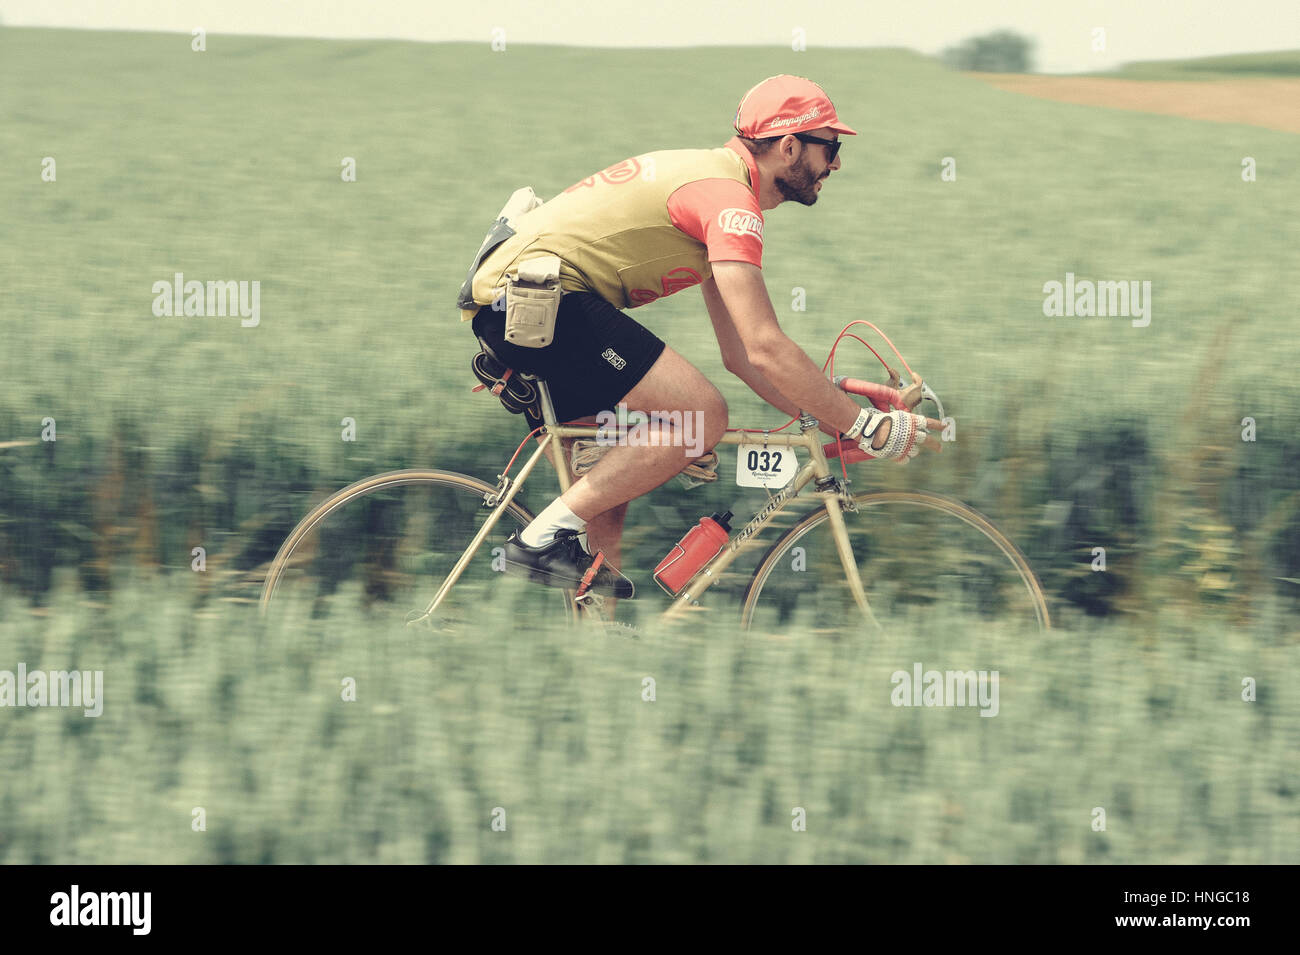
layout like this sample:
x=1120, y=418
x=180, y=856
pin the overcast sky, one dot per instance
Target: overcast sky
x=1135, y=29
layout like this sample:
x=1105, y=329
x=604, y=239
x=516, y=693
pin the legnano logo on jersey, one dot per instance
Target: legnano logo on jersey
x=741, y=222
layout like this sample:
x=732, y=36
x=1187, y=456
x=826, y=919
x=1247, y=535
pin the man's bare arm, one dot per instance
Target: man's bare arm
x=776, y=358
x=734, y=357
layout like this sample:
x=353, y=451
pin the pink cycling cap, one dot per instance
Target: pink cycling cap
x=786, y=104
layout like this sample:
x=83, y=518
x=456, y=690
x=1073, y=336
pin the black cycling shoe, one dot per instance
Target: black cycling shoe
x=562, y=563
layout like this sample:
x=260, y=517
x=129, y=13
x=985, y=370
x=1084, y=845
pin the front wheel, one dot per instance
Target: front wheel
x=917, y=553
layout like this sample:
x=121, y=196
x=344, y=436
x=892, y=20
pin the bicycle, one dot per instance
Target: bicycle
x=987, y=573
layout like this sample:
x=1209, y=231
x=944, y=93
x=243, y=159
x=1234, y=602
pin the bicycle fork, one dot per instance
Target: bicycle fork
x=840, y=532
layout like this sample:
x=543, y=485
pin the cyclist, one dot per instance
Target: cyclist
x=637, y=231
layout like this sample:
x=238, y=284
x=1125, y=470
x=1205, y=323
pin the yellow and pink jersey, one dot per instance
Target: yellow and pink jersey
x=644, y=228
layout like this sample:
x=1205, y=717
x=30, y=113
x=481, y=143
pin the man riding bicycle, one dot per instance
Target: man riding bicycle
x=644, y=228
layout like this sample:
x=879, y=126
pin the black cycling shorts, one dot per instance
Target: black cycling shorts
x=598, y=355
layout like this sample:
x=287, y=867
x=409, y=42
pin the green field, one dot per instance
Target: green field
x=1073, y=433
x=213, y=711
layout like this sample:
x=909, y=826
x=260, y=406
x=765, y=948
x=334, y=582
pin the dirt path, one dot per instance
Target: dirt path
x=1273, y=103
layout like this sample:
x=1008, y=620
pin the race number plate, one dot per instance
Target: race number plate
x=759, y=466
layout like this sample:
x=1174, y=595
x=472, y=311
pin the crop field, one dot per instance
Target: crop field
x=1167, y=439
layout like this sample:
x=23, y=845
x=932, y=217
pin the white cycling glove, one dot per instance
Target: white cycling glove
x=906, y=434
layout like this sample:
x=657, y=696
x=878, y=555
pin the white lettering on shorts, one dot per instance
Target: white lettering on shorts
x=741, y=222
x=614, y=358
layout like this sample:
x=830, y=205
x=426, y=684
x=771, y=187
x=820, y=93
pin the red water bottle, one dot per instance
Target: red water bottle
x=701, y=544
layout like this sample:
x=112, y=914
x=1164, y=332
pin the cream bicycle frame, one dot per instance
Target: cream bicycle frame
x=817, y=469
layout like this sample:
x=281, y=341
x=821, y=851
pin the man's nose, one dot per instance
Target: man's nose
x=835, y=164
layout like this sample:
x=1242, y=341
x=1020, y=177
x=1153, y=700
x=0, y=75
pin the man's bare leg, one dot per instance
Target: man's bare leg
x=605, y=530
x=599, y=499
x=605, y=533
x=625, y=471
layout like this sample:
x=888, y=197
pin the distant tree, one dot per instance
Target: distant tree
x=999, y=52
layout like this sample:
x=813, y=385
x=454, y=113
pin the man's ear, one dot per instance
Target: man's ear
x=785, y=149
x=789, y=148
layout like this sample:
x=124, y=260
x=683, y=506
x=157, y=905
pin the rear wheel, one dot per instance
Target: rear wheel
x=387, y=542
x=918, y=554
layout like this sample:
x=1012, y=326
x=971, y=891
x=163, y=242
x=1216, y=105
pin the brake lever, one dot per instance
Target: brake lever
x=928, y=392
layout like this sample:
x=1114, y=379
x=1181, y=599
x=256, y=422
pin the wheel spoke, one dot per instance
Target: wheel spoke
x=386, y=543
x=920, y=555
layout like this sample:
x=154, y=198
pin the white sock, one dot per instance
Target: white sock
x=555, y=516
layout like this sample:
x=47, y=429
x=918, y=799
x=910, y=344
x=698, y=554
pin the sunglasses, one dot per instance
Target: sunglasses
x=833, y=145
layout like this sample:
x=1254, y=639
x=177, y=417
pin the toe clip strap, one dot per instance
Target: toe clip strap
x=590, y=575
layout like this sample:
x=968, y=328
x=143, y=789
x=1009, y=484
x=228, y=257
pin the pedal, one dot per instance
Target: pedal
x=593, y=605
x=587, y=599
x=583, y=593
x=591, y=602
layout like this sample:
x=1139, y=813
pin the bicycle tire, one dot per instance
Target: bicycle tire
x=516, y=515
x=1033, y=599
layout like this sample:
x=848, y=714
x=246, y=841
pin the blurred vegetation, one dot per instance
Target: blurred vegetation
x=183, y=432
x=1272, y=63
x=1072, y=434
x=216, y=710
x=1002, y=51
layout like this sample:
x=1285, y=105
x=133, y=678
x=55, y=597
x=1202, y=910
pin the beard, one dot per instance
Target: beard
x=799, y=185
